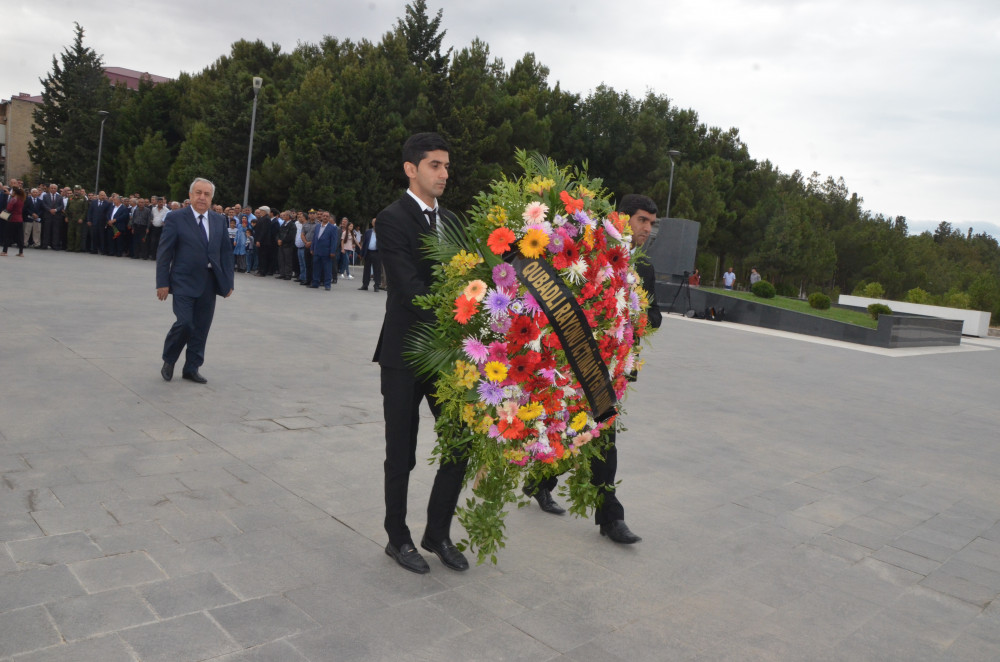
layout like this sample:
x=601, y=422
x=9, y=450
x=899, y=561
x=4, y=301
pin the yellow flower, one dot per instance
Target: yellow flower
x=585, y=192
x=463, y=262
x=530, y=412
x=483, y=424
x=466, y=374
x=579, y=421
x=540, y=185
x=495, y=371
x=497, y=215
x=588, y=237
x=533, y=243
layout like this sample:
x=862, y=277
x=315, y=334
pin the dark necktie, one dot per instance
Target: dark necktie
x=201, y=224
x=431, y=219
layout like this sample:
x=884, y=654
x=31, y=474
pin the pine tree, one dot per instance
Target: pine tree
x=423, y=39
x=67, y=124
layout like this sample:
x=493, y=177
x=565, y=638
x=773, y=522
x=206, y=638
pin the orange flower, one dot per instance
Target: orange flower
x=572, y=205
x=465, y=308
x=618, y=220
x=500, y=240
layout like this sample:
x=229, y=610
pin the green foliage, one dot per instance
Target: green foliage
x=196, y=159
x=872, y=291
x=67, y=125
x=149, y=166
x=763, y=289
x=956, y=299
x=786, y=290
x=877, y=309
x=332, y=116
x=917, y=295
x=819, y=301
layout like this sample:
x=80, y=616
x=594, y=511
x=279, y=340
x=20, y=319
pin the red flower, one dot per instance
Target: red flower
x=500, y=240
x=572, y=204
x=523, y=366
x=465, y=308
x=512, y=430
x=522, y=330
x=617, y=258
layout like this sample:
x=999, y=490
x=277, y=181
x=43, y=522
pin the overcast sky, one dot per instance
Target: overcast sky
x=901, y=98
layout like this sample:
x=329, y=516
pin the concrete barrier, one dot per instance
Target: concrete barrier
x=974, y=322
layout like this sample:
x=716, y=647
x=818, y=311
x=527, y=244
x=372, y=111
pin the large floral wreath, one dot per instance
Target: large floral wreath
x=523, y=394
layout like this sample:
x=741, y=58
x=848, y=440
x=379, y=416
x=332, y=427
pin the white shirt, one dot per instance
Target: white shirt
x=204, y=222
x=300, y=242
x=158, y=215
x=423, y=205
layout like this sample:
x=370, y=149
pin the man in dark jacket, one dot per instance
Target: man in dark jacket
x=611, y=515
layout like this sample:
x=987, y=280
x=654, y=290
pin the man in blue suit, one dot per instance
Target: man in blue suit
x=97, y=214
x=326, y=241
x=194, y=262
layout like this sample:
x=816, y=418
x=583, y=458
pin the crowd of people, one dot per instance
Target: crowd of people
x=266, y=242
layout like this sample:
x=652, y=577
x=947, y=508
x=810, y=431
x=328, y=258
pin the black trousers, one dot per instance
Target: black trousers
x=373, y=267
x=603, y=476
x=97, y=237
x=13, y=233
x=288, y=260
x=401, y=396
x=50, y=231
x=153, y=242
x=140, y=242
x=194, y=319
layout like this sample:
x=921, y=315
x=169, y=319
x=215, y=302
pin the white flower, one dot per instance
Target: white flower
x=576, y=272
x=536, y=344
x=620, y=303
x=512, y=392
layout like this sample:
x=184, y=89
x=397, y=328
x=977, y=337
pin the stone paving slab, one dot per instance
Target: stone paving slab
x=798, y=500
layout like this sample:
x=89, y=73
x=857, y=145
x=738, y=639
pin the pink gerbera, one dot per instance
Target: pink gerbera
x=535, y=212
x=475, y=350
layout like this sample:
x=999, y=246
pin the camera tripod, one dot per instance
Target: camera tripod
x=685, y=288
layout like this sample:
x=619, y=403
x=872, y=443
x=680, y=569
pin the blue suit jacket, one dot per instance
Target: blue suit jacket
x=120, y=219
x=183, y=256
x=329, y=243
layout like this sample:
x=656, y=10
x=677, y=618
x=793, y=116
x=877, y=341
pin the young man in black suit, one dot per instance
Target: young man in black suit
x=611, y=515
x=402, y=227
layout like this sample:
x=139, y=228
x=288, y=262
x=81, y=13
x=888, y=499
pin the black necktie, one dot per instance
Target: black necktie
x=201, y=224
x=431, y=219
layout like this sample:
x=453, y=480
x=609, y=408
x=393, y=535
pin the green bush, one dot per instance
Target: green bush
x=763, y=289
x=877, y=309
x=819, y=301
x=917, y=295
x=873, y=290
x=954, y=298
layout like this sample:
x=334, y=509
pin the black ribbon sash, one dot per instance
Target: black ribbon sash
x=571, y=326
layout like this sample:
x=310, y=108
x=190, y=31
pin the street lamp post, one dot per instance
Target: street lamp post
x=257, y=82
x=100, y=143
x=670, y=191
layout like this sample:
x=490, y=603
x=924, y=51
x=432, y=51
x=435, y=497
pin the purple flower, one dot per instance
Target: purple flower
x=475, y=350
x=504, y=276
x=490, y=393
x=501, y=325
x=556, y=243
x=530, y=305
x=496, y=303
x=570, y=230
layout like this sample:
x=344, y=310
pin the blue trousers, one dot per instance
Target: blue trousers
x=322, y=270
x=194, y=319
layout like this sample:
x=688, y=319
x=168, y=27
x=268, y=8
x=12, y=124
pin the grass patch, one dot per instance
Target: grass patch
x=800, y=306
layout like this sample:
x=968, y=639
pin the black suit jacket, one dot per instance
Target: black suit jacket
x=52, y=205
x=366, y=239
x=644, y=268
x=401, y=228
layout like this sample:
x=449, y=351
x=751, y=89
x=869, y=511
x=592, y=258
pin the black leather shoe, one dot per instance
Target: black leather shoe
x=619, y=532
x=167, y=371
x=365, y=289
x=546, y=502
x=407, y=556
x=447, y=552
x=195, y=377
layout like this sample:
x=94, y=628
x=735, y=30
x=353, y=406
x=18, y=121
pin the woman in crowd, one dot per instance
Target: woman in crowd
x=15, y=223
x=347, y=244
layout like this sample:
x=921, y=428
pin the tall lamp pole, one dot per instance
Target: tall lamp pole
x=100, y=143
x=670, y=191
x=257, y=82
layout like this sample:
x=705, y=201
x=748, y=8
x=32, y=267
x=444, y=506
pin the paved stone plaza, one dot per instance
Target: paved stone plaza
x=798, y=500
